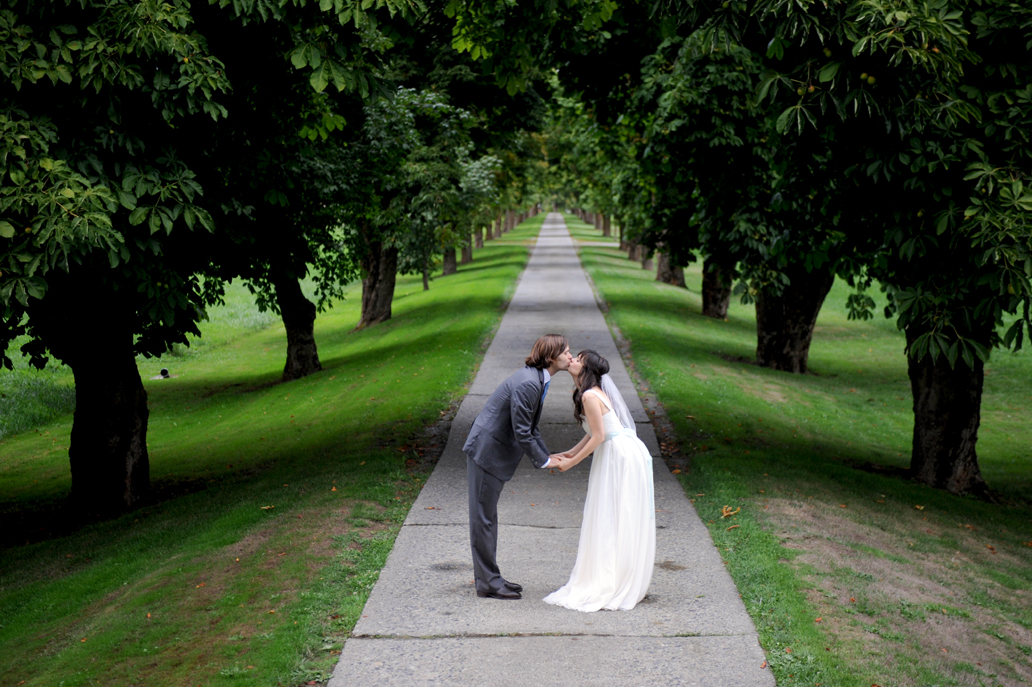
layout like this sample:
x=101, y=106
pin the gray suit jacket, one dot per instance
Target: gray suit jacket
x=507, y=427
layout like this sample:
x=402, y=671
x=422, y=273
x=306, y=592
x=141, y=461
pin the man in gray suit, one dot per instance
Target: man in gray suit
x=504, y=430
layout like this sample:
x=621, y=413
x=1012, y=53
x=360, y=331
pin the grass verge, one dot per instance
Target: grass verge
x=853, y=575
x=276, y=504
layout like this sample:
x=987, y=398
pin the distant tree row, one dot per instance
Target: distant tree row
x=883, y=142
x=154, y=150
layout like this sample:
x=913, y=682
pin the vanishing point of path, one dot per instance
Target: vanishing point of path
x=423, y=623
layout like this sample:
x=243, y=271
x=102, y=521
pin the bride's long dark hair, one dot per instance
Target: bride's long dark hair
x=591, y=376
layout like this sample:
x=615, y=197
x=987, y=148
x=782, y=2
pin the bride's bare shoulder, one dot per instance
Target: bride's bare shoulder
x=599, y=396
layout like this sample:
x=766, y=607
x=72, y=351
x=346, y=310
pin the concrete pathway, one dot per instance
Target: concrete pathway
x=423, y=623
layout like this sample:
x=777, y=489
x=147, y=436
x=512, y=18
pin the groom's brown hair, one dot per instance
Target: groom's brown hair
x=546, y=349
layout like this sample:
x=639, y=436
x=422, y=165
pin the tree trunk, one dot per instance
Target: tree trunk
x=479, y=236
x=450, y=265
x=716, y=292
x=298, y=315
x=632, y=251
x=467, y=250
x=947, y=412
x=784, y=324
x=510, y=218
x=108, y=450
x=667, y=272
x=381, y=269
x=498, y=226
x=606, y=227
x=426, y=279
x=646, y=257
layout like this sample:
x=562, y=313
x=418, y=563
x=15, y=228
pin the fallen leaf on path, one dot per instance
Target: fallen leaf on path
x=852, y=600
x=919, y=507
x=726, y=511
x=675, y=472
x=991, y=547
x=732, y=527
x=842, y=505
x=764, y=665
x=817, y=620
x=944, y=651
x=199, y=586
x=431, y=508
x=334, y=489
x=268, y=507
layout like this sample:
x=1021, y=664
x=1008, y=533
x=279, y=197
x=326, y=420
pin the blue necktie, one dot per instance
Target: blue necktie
x=545, y=392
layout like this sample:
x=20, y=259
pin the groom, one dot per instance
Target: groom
x=504, y=430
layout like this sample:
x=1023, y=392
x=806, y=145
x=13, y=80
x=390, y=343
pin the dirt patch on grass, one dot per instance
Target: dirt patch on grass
x=909, y=591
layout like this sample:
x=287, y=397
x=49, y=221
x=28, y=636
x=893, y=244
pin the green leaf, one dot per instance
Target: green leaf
x=783, y=120
x=981, y=350
x=829, y=72
x=320, y=77
x=297, y=58
x=138, y=215
x=6, y=230
x=127, y=200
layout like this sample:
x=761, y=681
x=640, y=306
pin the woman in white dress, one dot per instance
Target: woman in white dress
x=618, y=535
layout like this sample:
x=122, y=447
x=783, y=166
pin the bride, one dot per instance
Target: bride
x=618, y=535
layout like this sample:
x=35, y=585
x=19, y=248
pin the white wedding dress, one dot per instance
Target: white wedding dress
x=618, y=536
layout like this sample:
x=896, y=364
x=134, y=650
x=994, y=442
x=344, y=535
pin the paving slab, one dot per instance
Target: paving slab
x=423, y=623
x=561, y=661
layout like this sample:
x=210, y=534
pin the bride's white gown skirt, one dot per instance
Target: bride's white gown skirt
x=617, y=547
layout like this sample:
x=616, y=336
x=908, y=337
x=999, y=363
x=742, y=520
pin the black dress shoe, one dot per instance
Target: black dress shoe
x=501, y=594
x=513, y=586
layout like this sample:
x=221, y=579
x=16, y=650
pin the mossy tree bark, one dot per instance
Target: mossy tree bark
x=380, y=270
x=645, y=255
x=716, y=289
x=298, y=315
x=785, y=322
x=450, y=263
x=667, y=272
x=947, y=412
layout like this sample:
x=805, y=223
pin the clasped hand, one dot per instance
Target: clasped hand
x=561, y=460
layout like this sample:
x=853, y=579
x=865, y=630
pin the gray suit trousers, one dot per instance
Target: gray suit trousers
x=484, y=490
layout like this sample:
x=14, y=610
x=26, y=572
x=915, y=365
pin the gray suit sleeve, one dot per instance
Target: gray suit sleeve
x=524, y=402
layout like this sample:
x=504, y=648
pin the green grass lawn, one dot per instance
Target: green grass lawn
x=853, y=575
x=275, y=506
